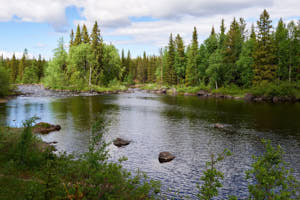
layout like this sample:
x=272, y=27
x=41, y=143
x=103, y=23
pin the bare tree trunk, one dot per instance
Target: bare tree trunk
x=216, y=84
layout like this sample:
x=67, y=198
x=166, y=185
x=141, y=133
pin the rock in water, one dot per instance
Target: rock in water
x=120, y=142
x=165, y=157
x=219, y=126
x=45, y=128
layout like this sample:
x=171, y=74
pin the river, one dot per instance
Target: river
x=181, y=125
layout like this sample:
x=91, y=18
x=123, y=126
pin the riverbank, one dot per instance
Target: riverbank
x=29, y=169
x=268, y=93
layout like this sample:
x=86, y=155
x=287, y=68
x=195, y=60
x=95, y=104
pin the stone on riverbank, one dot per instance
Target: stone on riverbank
x=45, y=128
x=119, y=142
x=165, y=157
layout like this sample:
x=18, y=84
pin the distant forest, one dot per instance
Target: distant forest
x=235, y=56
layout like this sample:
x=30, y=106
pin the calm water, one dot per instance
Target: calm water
x=181, y=125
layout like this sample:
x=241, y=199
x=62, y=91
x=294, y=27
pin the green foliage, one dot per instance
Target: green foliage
x=51, y=176
x=281, y=89
x=214, y=70
x=272, y=178
x=191, y=68
x=264, y=51
x=55, y=71
x=212, y=177
x=4, y=82
x=31, y=74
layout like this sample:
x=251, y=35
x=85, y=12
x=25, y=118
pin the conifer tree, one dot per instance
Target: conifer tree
x=246, y=61
x=98, y=50
x=264, y=53
x=22, y=65
x=180, y=60
x=282, y=50
x=71, y=38
x=232, y=52
x=191, y=69
x=13, y=68
x=78, y=37
x=222, y=35
x=40, y=67
x=85, y=35
x=170, y=74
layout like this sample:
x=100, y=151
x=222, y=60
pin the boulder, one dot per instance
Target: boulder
x=219, y=126
x=202, y=93
x=165, y=157
x=119, y=142
x=163, y=91
x=249, y=97
x=45, y=128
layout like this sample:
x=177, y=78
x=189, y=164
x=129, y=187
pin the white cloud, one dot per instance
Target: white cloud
x=9, y=54
x=177, y=16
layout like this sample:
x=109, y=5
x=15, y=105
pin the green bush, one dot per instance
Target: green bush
x=282, y=89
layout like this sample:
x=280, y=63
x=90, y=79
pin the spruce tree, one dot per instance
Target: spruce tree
x=98, y=50
x=13, y=68
x=78, y=38
x=71, y=38
x=85, y=35
x=170, y=74
x=180, y=60
x=246, y=61
x=264, y=53
x=191, y=69
x=222, y=35
x=22, y=65
x=282, y=50
x=232, y=52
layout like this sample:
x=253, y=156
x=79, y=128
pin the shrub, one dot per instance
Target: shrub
x=4, y=82
x=272, y=178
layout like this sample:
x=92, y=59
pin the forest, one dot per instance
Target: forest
x=236, y=59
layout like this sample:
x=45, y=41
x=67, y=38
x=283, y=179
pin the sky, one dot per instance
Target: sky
x=135, y=25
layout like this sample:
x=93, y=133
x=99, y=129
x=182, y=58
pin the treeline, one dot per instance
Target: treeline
x=240, y=57
x=88, y=62
x=24, y=70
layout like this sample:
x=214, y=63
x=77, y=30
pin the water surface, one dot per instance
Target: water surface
x=182, y=125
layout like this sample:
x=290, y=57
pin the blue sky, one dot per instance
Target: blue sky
x=135, y=25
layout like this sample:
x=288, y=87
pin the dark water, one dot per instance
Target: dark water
x=181, y=125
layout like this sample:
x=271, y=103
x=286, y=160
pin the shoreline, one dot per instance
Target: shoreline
x=155, y=89
x=247, y=97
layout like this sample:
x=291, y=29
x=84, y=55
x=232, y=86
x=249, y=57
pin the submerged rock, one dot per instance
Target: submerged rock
x=120, y=142
x=219, y=126
x=45, y=128
x=165, y=157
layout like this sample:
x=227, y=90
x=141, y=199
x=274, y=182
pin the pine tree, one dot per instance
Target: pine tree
x=191, y=69
x=78, y=38
x=264, y=53
x=85, y=35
